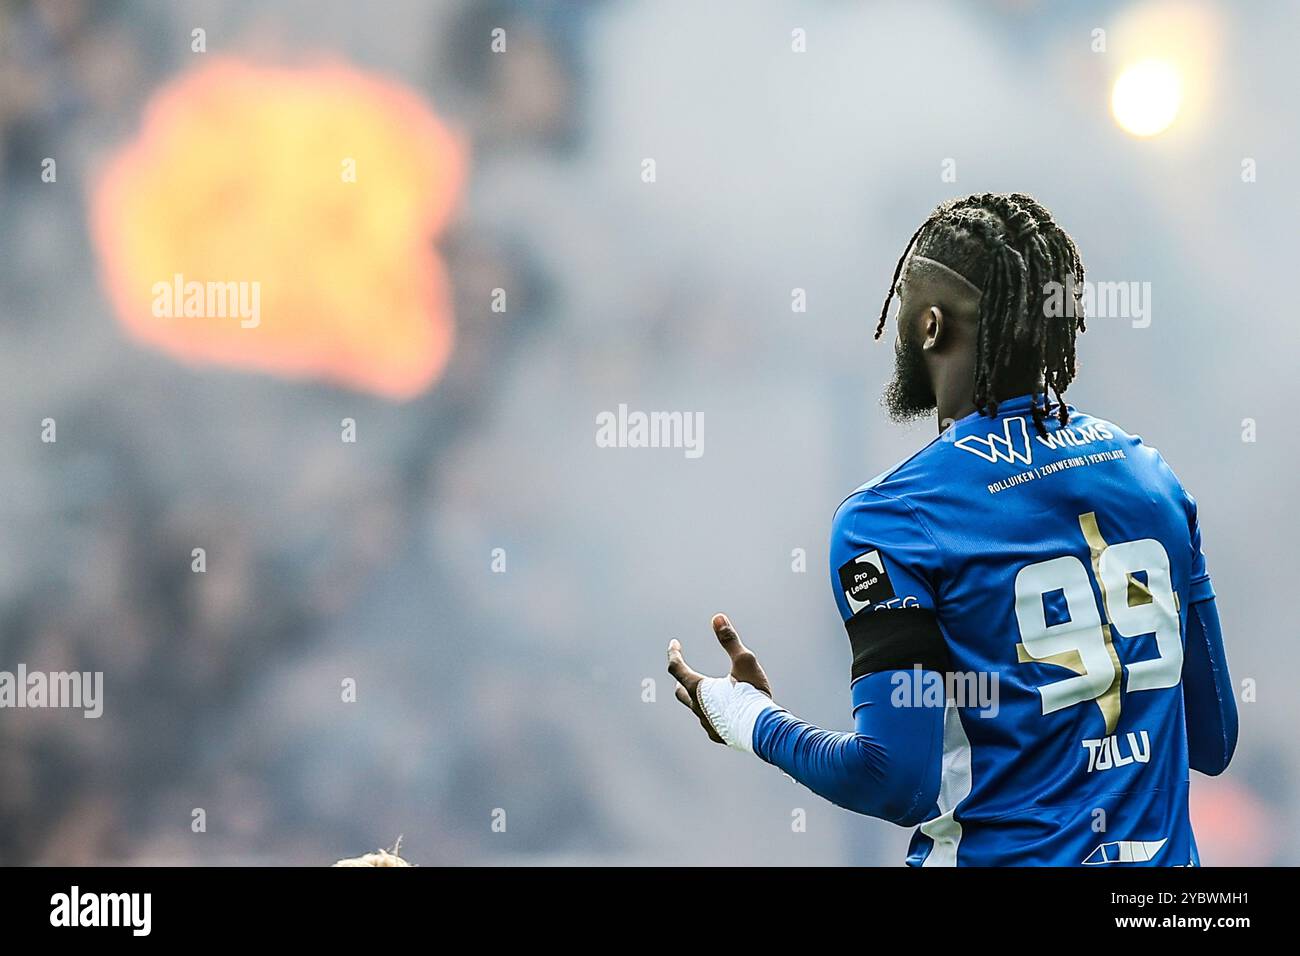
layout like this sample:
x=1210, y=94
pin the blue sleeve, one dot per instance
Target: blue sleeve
x=881, y=559
x=1209, y=700
x=1200, y=588
x=887, y=768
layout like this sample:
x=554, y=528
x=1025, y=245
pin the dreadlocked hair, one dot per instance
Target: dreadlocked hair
x=1009, y=247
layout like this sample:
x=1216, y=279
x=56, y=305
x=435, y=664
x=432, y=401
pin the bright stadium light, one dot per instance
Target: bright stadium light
x=1146, y=97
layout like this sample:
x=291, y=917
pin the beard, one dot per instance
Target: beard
x=909, y=395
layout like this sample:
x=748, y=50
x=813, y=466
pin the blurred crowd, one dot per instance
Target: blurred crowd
x=204, y=670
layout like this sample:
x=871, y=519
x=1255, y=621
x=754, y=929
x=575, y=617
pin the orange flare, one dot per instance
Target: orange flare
x=239, y=175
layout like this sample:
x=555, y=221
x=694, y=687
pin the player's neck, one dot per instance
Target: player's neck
x=954, y=405
x=949, y=412
x=954, y=387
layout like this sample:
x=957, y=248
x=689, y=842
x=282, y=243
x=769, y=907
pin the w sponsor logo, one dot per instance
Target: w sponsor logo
x=1011, y=446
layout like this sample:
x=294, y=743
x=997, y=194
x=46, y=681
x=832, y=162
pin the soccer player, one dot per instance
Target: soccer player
x=1037, y=660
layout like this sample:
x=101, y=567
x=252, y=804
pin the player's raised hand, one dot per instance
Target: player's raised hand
x=744, y=667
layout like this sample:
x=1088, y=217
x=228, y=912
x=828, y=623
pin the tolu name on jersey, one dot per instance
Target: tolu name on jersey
x=1108, y=753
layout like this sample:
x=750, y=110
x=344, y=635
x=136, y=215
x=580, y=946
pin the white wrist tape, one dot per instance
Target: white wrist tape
x=733, y=709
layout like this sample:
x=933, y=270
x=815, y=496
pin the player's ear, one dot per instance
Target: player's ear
x=932, y=328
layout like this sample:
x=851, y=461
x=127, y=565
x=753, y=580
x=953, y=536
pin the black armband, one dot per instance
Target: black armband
x=893, y=639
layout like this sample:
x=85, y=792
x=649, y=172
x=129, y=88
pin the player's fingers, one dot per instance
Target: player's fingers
x=744, y=665
x=682, y=694
x=678, y=667
x=729, y=639
x=688, y=685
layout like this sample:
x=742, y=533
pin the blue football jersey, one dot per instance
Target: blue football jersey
x=1060, y=569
